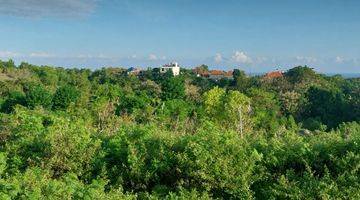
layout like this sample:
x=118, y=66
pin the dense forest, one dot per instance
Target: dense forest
x=106, y=134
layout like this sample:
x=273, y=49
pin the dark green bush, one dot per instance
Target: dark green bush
x=64, y=96
x=14, y=98
x=37, y=95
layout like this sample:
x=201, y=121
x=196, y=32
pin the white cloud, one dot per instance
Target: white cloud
x=8, y=54
x=43, y=8
x=89, y=56
x=261, y=59
x=153, y=57
x=339, y=59
x=218, y=58
x=41, y=55
x=82, y=56
x=103, y=56
x=306, y=59
x=241, y=57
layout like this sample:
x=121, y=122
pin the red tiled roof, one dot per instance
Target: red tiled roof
x=274, y=74
x=229, y=73
x=213, y=73
x=204, y=74
x=216, y=72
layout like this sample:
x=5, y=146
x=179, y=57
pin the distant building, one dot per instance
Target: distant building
x=274, y=74
x=201, y=71
x=174, y=67
x=213, y=74
x=218, y=74
x=133, y=71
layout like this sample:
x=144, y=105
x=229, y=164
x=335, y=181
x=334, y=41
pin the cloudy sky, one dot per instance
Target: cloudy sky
x=253, y=35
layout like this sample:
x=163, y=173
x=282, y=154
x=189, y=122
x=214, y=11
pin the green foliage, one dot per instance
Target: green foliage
x=328, y=106
x=231, y=110
x=145, y=159
x=14, y=98
x=242, y=82
x=314, y=124
x=139, y=159
x=213, y=102
x=265, y=109
x=2, y=163
x=291, y=103
x=107, y=135
x=317, y=167
x=300, y=74
x=64, y=96
x=50, y=141
x=7, y=65
x=37, y=95
x=38, y=184
x=130, y=102
x=173, y=88
x=204, y=84
x=214, y=161
x=47, y=75
x=176, y=109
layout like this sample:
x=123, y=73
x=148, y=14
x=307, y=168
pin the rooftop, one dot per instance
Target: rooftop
x=274, y=74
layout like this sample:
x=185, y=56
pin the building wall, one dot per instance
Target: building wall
x=175, y=70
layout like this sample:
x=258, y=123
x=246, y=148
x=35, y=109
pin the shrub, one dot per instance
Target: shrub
x=37, y=95
x=14, y=98
x=64, y=96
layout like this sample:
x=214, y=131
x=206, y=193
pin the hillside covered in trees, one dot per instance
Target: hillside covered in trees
x=105, y=134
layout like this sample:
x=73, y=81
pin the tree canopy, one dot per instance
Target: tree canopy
x=104, y=134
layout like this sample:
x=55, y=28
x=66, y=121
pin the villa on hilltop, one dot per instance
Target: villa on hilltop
x=174, y=67
x=213, y=74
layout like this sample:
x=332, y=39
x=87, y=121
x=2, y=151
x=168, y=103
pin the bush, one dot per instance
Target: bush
x=37, y=95
x=173, y=88
x=321, y=166
x=140, y=159
x=49, y=141
x=14, y=98
x=143, y=159
x=36, y=183
x=64, y=96
x=220, y=163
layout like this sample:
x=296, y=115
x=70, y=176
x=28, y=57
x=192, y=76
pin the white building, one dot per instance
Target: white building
x=174, y=67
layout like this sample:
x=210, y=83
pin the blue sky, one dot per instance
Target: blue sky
x=252, y=35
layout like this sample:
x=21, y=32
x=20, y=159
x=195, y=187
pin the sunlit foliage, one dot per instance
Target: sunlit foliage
x=104, y=134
